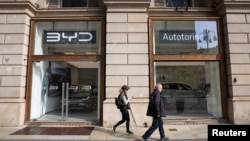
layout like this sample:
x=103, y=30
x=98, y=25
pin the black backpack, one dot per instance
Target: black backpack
x=118, y=101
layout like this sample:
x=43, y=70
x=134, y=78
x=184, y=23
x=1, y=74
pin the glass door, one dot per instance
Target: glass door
x=65, y=90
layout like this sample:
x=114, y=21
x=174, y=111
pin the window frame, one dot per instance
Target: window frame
x=36, y=58
x=220, y=57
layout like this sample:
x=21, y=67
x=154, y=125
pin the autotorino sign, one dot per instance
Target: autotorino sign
x=171, y=36
x=70, y=37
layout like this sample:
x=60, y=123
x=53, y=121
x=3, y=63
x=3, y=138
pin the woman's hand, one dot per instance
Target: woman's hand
x=131, y=98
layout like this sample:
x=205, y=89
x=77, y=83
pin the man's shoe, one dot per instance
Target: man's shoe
x=113, y=128
x=144, y=139
x=165, y=139
x=129, y=132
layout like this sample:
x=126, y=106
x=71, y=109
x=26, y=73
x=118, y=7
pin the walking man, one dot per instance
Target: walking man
x=156, y=111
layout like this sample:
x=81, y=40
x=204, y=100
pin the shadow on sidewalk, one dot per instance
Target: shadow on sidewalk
x=121, y=135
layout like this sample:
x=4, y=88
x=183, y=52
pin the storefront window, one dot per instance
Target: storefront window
x=68, y=38
x=185, y=37
x=190, y=88
x=65, y=71
x=187, y=62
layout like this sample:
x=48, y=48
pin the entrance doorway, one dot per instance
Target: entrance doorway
x=65, y=91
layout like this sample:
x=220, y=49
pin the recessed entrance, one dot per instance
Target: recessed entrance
x=65, y=72
x=65, y=91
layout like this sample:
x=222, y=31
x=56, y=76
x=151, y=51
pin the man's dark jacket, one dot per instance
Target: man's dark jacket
x=155, y=105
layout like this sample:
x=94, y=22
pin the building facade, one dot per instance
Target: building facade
x=64, y=61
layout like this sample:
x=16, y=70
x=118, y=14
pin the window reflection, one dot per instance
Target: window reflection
x=185, y=37
x=207, y=31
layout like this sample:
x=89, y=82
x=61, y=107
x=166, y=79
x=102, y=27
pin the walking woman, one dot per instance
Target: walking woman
x=124, y=107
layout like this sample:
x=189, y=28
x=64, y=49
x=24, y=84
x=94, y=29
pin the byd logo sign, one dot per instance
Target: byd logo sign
x=70, y=37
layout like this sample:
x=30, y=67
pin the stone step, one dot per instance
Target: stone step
x=61, y=123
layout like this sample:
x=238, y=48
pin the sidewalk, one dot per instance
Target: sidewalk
x=174, y=132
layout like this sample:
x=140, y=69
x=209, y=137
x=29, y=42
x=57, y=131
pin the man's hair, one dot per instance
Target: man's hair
x=157, y=85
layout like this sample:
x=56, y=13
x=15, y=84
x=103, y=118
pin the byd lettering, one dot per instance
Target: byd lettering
x=69, y=37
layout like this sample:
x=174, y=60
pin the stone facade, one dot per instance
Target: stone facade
x=236, y=32
x=127, y=58
x=127, y=55
x=14, y=41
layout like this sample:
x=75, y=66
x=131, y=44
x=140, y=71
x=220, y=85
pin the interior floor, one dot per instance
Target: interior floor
x=73, y=115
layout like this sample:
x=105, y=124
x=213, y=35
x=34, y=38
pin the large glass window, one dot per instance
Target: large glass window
x=68, y=38
x=191, y=88
x=185, y=37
